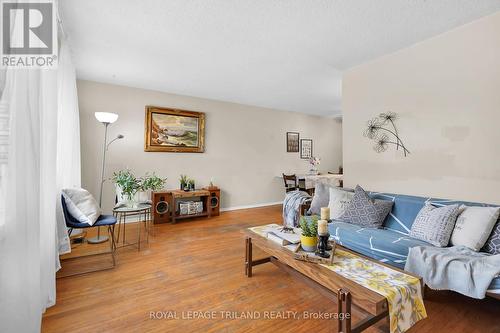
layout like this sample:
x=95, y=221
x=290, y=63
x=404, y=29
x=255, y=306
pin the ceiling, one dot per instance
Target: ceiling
x=282, y=54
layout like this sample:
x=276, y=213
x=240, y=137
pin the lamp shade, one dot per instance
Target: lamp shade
x=106, y=117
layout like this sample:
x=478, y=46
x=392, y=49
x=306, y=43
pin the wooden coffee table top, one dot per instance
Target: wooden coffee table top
x=370, y=301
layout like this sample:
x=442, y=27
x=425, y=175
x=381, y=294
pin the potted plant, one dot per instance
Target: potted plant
x=127, y=186
x=183, y=180
x=148, y=184
x=191, y=184
x=309, y=235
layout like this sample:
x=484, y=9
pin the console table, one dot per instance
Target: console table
x=175, y=195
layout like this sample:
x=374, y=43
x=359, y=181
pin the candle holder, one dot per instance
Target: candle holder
x=322, y=246
x=328, y=246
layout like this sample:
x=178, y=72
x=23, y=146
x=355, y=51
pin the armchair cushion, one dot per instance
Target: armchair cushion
x=103, y=220
x=81, y=205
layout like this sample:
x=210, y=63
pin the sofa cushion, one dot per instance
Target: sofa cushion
x=435, y=224
x=365, y=211
x=381, y=244
x=339, y=201
x=474, y=226
x=492, y=245
x=495, y=284
x=320, y=198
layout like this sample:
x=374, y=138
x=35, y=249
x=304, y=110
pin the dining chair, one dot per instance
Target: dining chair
x=291, y=183
x=108, y=221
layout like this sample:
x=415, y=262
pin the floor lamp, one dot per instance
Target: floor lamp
x=105, y=118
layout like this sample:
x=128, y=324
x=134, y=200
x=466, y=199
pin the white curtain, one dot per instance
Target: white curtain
x=28, y=257
x=4, y=150
x=42, y=155
x=68, y=143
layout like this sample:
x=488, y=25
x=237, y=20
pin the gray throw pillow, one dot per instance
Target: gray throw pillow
x=492, y=245
x=320, y=199
x=365, y=211
x=435, y=224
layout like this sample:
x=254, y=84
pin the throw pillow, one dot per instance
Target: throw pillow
x=492, y=245
x=473, y=226
x=435, y=224
x=81, y=205
x=320, y=198
x=339, y=201
x=365, y=211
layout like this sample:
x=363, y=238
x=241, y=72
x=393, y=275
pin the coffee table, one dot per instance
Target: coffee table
x=347, y=292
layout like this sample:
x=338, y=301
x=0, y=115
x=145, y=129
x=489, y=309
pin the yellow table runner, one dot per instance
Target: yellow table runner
x=403, y=291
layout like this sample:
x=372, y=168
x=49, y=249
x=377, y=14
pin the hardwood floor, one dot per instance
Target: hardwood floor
x=197, y=266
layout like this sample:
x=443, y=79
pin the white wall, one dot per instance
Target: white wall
x=245, y=145
x=447, y=93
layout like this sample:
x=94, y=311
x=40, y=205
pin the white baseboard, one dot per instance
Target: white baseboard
x=265, y=204
x=134, y=219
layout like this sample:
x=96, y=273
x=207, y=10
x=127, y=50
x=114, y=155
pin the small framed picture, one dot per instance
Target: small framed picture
x=306, y=148
x=292, y=142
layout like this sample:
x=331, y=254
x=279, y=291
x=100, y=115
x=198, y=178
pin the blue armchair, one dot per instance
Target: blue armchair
x=108, y=221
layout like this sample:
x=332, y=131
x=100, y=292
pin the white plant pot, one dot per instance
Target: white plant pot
x=119, y=194
x=143, y=196
x=124, y=199
x=131, y=203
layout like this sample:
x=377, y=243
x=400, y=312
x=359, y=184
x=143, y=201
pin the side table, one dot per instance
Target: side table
x=144, y=213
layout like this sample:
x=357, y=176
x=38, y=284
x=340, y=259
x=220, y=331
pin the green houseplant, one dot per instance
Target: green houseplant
x=152, y=182
x=183, y=180
x=148, y=184
x=190, y=184
x=128, y=185
x=309, y=235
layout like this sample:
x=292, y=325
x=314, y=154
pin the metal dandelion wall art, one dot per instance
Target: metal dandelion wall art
x=383, y=131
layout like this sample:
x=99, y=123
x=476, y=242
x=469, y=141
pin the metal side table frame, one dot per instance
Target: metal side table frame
x=144, y=213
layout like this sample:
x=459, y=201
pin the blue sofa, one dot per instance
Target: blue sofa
x=392, y=243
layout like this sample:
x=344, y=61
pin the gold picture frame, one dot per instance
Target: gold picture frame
x=174, y=130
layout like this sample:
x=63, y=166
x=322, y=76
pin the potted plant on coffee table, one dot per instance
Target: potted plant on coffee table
x=309, y=235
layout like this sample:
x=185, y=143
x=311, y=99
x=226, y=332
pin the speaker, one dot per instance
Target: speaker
x=214, y=202
x=161, y=207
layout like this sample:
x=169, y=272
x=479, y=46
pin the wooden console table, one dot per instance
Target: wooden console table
x=175, y=195
x=327, y=282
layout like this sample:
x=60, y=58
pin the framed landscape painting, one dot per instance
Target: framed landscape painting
x=174, y=130
x=292, y=142
x=306, y=148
